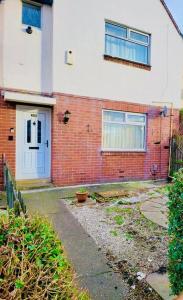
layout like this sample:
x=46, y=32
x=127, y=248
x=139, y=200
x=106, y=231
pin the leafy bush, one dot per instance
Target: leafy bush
x=32, y=263
x=175, y=205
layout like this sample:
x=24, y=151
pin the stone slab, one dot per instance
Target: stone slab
x=154, y=213
x=160, y=284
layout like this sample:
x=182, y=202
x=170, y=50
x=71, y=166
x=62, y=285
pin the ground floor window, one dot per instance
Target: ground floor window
x=123, y=131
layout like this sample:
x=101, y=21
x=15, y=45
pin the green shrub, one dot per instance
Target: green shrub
x=175, y=253
x=32, y=263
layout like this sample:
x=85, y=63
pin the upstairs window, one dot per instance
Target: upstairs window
x=123, y=131
x=31, y=14
x=126, y=43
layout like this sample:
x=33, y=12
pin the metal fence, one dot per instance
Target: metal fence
x=176, y=154
x=13, y=196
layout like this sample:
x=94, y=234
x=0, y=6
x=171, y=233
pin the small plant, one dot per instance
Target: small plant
x=114, y=232
x=129, y=236
x=175, y=230
x=93, y=196
x=116, y=209
x=82, y=190
x=119, y=220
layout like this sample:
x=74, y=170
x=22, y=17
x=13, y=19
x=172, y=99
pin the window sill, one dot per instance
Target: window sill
x=127, y=62
x=125, y=152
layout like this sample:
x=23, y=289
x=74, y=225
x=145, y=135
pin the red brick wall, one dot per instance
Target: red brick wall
x=76, y=146
x=7, y=121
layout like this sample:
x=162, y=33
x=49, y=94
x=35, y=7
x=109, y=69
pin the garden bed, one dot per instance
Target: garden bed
x=133, y=245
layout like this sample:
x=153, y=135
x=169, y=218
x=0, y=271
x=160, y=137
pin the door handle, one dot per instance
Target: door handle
x=47, y=143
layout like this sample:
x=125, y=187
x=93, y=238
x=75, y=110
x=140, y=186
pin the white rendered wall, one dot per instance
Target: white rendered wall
x=1, y=41
x=27, y=59
x=80, y=26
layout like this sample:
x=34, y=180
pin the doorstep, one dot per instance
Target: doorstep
x=32, y=184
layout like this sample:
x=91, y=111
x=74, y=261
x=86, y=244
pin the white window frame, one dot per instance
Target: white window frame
x=129, y=39
x=125, y=123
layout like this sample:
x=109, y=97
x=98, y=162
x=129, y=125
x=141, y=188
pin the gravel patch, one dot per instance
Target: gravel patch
x=140, y=242
x=131, y=243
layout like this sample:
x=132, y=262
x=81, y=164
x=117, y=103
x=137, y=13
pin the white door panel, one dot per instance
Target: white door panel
x=33, y=142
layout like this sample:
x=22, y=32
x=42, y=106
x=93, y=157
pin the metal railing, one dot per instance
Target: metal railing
x=176, y=155
x=14, y=197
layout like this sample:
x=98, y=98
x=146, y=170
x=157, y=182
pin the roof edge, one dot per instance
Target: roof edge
x=172, y=18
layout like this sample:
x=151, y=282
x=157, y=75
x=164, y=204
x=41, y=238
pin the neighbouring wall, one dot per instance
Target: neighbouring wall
x=27, y=58
x=1, y=41
x=7, y=147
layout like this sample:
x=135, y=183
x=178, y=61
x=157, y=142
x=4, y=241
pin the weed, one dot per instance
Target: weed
x=163, y=189
x=119, y=220
x=114, y=232
x=93, y=196
x=116, y=209
x=129, y=236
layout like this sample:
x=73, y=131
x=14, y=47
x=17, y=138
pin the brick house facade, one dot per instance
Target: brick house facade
x=48, y=75
x=77, y=155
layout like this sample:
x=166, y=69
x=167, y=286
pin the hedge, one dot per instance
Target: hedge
x=175, y=252
x=32, y=262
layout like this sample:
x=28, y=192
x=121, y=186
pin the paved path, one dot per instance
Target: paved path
x=156, y=211
x=90, y=265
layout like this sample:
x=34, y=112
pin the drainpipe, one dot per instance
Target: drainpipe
x=171, y=133
x=171, y=130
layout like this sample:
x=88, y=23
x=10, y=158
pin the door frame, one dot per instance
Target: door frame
x=19, y=110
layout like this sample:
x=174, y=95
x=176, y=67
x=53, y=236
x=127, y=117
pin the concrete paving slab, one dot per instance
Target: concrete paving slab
x=155, y=213
x=160, y=283
x=91, y=267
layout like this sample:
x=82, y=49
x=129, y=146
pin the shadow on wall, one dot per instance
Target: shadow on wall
x=47, y=50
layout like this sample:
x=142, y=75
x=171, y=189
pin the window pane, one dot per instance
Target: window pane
x=112, y=46
x=115, y=30
x=134, y=137
x=126, y=50
x=139, y=37
x=39, y=132
x=29, y=131
x=136, y=118
x=31, y=15
x=114, y=136
x=134, y=52
x=123, y=137
x=114, y=116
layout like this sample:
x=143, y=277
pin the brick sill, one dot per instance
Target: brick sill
x=127, y=62
x=112, y=152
